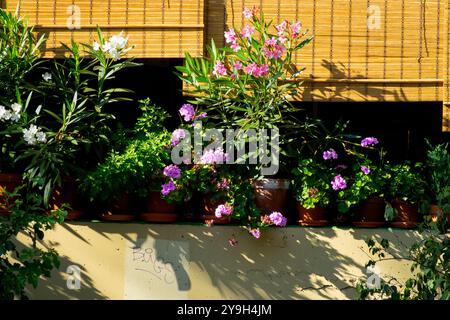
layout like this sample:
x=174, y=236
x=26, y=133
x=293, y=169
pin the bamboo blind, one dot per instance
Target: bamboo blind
x=446, y=71
x=157, y=28
x=365, y=50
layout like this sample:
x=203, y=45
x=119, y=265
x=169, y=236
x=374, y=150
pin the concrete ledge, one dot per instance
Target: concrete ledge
x=149, y=261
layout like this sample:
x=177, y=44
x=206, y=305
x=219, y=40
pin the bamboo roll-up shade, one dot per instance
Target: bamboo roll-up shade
x=363, y=50
x=157, y=28
x=446, y=71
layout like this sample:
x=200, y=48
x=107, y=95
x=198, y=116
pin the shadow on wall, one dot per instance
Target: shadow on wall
x=196, y=262
x=56, y=287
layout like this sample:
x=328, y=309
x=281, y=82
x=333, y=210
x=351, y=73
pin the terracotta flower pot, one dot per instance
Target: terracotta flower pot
x=67, y=194
x=371, y=214
x=119, y=210
x=407, y=214
x=159, y=210
x=8, y=182
x=435, y=211
x=316, y=217
x=271, y=195
x=209, y=208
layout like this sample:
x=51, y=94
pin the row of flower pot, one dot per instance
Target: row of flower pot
x=270, y=195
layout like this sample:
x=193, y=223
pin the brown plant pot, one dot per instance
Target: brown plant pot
x=316, y=217
x=434, y=211
x=271, y=195
x=8, y=182
x=209, y=208
x=67, y=194
x=119, y=210
x=407, y=214
x=370, y=214
x=159, y=210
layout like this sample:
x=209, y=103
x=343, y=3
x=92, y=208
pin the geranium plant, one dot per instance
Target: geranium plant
x=312, y=183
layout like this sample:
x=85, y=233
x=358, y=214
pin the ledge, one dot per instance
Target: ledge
x=191, y=261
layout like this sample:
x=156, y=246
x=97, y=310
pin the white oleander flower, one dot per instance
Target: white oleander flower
x=16, y=107
x=34, y=135
x=2, y=112
x=47, y=76
x=29, y=135
x=96, y=46
x=41, y=137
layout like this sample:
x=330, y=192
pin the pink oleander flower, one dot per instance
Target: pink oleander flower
x=249, y=12
x=251, y=68
x=230, y=36
x=247, y=31
x=237, y=65
x=278, y=219
x=219, y=69
x=261, y=71
x=256, y=233
x=168, y=188
x=330, y=154
x=295, y=29
x=187, y=111
x=235, y=47
x=338, y=183
x=369, y=141
x=281, y=28
x=273, y=50
x=223, y=210
x=172, y=171
x=282, y=39
x=212, y=156
x=177, y=136
x=365, y=169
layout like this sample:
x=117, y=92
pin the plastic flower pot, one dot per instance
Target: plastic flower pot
x=159, y=210
x=209, y=210
x=271, y=195
x=67, y=195
x=407, y=214
x=370, y=214
x=119, y=210
x=8, y=182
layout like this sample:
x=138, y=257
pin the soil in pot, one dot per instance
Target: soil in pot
x=209, y=208
x=370, y=214
x=407, y=214
x=159, y=210
x=119, y=210
x=315, y=217
x=8, y=182
x=271, y=195
x=67, y=194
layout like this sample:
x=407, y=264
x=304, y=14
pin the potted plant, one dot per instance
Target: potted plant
x=437, y=170
x=406, y=189
x=134, y=169
x=371, y=182
x=312, y=190
x=247, y=85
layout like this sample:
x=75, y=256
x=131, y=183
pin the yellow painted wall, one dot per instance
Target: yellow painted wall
x=147, y=261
